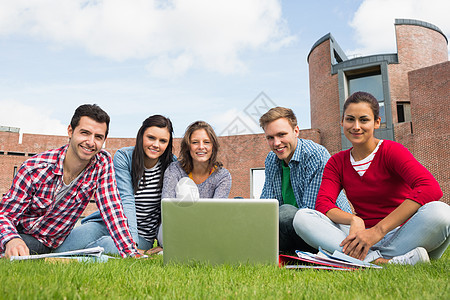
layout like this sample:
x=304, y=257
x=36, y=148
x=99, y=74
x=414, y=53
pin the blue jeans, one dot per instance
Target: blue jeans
x=93, y=234
x=429, y=228
x=289, y=241
x=35, y=246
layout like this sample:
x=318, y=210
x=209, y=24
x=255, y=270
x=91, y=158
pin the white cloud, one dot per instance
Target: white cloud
x=234, y=122
x=374, y=21
x=177, y=34
x=30, y=119
x=166, y=67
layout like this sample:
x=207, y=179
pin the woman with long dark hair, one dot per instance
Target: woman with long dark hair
x=139, y=173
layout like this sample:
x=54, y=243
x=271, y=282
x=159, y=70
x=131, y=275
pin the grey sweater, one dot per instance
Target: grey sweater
x=217, y=185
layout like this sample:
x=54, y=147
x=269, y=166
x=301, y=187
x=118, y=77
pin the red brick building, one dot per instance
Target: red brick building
x=239, y=154
x=412, y=86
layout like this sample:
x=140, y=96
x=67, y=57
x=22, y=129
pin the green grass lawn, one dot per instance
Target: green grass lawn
x=149, y=278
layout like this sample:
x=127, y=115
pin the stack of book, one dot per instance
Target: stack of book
x=323, y=260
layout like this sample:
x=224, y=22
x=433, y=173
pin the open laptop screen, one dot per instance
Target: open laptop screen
x=218, y=231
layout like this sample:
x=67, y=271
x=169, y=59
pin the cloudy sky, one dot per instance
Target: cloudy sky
x=186, y=59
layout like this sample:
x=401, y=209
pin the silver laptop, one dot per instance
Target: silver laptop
x=220, y=231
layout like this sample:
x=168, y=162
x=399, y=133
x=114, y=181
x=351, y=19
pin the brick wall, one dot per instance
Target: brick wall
x=417, y=47
x=239, y=154
x=324, y=97
x=429, y=90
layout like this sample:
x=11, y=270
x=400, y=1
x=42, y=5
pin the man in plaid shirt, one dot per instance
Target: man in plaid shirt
x=293, y=173
x=52, y=189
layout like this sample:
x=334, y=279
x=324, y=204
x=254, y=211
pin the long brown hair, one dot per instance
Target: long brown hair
x=185, y=158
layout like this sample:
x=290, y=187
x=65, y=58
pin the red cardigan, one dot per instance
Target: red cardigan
x=393, y=176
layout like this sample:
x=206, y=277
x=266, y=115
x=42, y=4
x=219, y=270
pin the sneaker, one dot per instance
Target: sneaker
x=417, y=255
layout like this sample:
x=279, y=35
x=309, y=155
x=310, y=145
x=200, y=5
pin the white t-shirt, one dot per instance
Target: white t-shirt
x=361, y=166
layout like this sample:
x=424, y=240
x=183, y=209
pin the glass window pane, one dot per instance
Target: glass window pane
x=258, y=178
x=382, y=112
x=370, y=84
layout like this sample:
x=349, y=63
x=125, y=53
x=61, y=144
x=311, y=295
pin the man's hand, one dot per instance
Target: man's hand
x=16, y=247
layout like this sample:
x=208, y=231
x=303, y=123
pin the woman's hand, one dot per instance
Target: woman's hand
x=356, y=225
x=357, y=244
x=151, y=251
x=359, y=240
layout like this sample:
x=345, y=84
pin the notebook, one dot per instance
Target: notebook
x=220, y=231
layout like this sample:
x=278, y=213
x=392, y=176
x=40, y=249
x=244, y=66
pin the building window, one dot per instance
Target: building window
x=369, y=81
x=257, y=177
x=336, y=58
x=16, y=153
x=15, y=171
x=404, y=111
x=371, y=78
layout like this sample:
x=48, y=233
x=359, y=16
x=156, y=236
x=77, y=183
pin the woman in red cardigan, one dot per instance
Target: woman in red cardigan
x=398, y=218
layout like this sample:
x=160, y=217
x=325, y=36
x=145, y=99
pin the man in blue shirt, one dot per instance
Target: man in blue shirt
x=293, y=173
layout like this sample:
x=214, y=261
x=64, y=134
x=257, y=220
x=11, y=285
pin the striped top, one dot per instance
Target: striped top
x=148, y=203
x=361, y=166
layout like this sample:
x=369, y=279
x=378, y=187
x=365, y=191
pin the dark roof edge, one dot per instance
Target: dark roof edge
x=362, y=61
x=326, y=37
x=420, y=23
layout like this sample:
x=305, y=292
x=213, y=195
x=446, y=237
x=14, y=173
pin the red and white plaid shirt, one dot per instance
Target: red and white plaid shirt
x=30, y=201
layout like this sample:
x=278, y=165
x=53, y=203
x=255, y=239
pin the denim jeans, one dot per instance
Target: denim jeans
x=429, y=228
x=289, y=240
x=35, y=246
x=93, y=234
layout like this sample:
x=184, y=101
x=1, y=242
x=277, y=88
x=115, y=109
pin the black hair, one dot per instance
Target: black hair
x=92, y=111
x=138, y=158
